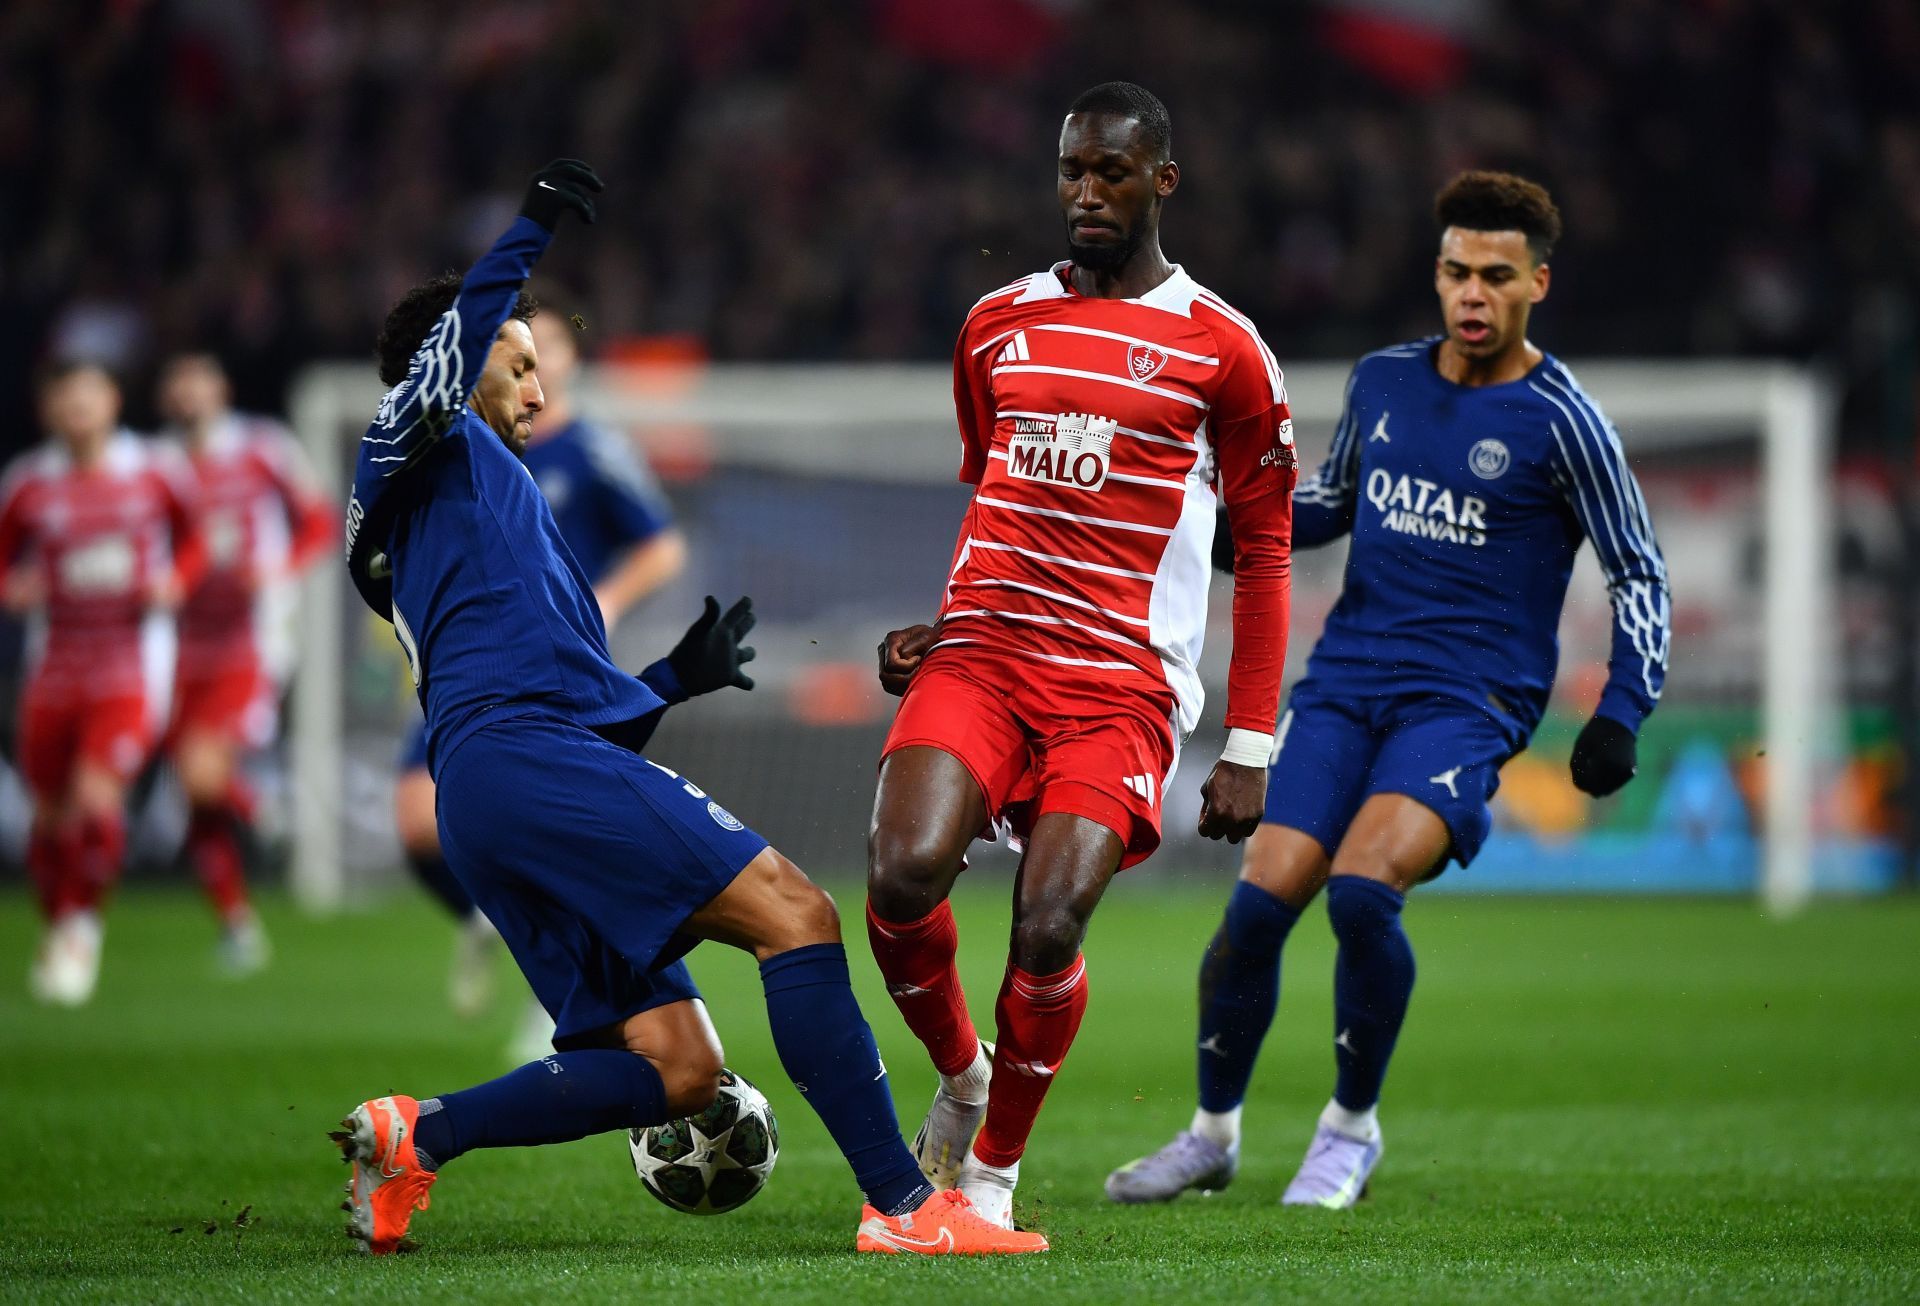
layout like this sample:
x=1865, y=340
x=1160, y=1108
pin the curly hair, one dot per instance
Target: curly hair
x=1500, y=201
x=409, y=321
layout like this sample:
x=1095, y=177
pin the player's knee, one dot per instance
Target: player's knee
x=814, y=912
x=691, y=1081
x=415, y=817
x=98, y=794
x=202, y=765
x=798, y=912
x=1285, y=863
x=907, y=868
x=1047, y=937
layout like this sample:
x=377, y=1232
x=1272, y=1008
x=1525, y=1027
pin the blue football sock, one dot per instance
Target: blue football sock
x=830, y=1055
x=1372, y=980
x=1239, y=988
x=557, y=1099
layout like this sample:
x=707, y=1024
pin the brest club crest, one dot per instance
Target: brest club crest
x=1144, y=361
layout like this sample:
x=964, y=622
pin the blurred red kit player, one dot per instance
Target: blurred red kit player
x=98, y=545
x=261, y=520
x=1106, y=407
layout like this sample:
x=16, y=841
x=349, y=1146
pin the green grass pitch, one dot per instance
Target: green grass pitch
x=1593, y=1100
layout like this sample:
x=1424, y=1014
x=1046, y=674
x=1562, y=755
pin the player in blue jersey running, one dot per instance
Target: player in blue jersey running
x=1467, y=467
x=619, y=528
x=600, y=868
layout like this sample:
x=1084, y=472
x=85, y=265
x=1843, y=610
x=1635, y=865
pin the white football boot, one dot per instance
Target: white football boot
x=67, y=968
x=470, y=979
x=990, y=1188
x=959, y=1105
x=243, y=948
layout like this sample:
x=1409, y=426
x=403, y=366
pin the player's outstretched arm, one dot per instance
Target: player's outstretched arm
x=708, y=657
x=445, y=369
x=1606, y=499
x=443, y=372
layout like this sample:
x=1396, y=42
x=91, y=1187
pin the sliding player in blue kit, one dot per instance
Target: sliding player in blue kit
x=599, y=867
x=1468, y=468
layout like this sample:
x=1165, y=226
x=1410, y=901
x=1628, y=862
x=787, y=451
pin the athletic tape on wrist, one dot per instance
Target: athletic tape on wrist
x=1247, y=748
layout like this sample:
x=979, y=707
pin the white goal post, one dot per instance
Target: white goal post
x=795, y=418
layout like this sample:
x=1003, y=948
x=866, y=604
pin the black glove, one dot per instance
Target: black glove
x=562, y=185
x=1222, y=543
x=709, y=655
x=1604, y=757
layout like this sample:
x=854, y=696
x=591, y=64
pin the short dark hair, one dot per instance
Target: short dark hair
x=1500, y=201
x=1130, y=100
x=409, y=321
x=62, y=369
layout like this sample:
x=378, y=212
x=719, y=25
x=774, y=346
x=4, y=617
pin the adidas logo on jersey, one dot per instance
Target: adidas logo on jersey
x=1016, y=350
x=1071, y=449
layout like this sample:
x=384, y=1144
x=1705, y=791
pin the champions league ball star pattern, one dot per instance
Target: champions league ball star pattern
x=713, y=1162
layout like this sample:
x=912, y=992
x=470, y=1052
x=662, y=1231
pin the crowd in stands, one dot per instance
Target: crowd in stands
x=791, y=180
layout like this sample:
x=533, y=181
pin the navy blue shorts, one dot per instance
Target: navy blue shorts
x=1331, y=753
x=587, y=858
x=413, y=749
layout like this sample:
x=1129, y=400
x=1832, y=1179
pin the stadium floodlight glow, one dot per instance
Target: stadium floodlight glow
x=893, y=423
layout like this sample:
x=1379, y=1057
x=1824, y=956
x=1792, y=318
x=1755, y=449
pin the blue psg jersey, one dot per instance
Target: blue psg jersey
x=1467, y=505
x=604, y=500
x=449, y=538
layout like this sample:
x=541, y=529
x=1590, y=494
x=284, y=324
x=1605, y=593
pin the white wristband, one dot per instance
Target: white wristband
x=1247, y=748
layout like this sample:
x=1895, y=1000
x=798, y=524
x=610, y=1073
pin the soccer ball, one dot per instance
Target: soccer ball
x=713, y=1162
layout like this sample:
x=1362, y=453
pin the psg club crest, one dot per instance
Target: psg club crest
x=1488, y=460
x=1144, y=362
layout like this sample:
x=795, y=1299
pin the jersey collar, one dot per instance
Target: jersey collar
x=1173, y=294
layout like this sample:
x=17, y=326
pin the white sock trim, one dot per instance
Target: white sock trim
x=1222, y=1127
x=1363, y=1125
x=1005, y=1176
x=970, y=1085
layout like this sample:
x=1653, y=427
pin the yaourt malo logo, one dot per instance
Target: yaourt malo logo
x=1071, y=449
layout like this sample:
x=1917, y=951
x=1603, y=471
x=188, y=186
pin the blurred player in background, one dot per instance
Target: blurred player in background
x=1100, y=403
x=619, y=527
x=95, y=535
x=600, y=867
x=261, y=520
x=1467, y=467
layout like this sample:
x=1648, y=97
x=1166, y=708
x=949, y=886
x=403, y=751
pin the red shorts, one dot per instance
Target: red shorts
x=60, y=731
x=235, y=701
x=1034, y=746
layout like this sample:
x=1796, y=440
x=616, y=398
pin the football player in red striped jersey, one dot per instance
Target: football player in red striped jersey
x=263, y=520
x=97, y=546
x=1106, y=407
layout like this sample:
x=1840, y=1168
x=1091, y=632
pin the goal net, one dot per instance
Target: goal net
x=827, y=492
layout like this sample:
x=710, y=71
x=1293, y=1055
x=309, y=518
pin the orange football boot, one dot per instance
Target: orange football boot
x=388, y=1182
x=945, y=1225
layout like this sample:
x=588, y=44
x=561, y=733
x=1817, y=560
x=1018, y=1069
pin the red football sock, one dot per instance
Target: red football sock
x=51, y=858
x=916, y=960
x=101, y=846
x=240, y=800
x=1038, y=1015
x=215, y=852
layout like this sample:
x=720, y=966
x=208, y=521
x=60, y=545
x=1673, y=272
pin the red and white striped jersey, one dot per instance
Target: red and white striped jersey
x=1099, y=432
x=100, y=541
x=259, y=515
